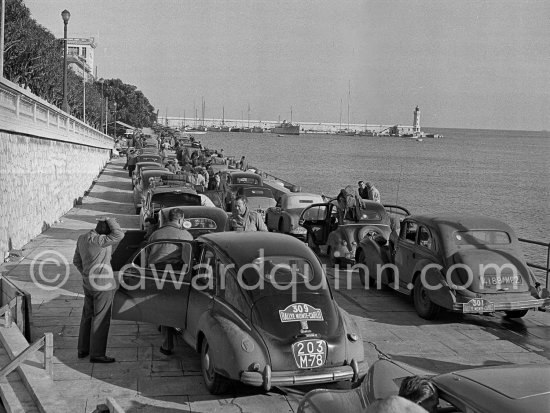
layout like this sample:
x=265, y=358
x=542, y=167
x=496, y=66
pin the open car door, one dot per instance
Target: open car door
x=316, y=219
x=155, y=283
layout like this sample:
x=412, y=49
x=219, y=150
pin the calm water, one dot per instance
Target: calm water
x=502, y=174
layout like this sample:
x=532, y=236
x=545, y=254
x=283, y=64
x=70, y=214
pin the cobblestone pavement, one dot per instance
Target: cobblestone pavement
x=144, y=380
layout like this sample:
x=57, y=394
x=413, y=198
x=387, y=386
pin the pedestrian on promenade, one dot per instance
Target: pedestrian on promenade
x=363, y=190
x=92, y=258
x=244, y=219
x=420, y=390
x=132, y=161
x=242, y=164
x=374, y=194
x=162, y=253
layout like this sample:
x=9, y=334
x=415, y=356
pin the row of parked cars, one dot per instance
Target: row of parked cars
x=245, y=301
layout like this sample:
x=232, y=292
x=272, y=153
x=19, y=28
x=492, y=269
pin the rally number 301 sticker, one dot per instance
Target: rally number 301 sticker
x=300, y=312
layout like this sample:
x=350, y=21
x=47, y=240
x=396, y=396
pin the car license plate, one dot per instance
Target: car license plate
x=478, y=305
x=310, y=354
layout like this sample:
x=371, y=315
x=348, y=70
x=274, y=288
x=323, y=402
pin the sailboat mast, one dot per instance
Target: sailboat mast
x=349, y=92
x=291, y=114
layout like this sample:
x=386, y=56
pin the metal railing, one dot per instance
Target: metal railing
x=538, y=266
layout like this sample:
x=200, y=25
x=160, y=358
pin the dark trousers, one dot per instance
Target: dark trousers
x=168, y=335
x=131, y=170
x=95, y=322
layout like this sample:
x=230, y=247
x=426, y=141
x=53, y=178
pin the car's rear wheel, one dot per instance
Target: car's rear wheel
x=311, y=243
x=215, y=383
x=424, y=307
x=516, y=313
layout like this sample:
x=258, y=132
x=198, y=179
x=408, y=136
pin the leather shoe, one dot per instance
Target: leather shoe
x=165, y=352
x=83, y=354
x=102, y=359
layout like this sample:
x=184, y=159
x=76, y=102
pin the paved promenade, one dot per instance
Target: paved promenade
x=144, y=380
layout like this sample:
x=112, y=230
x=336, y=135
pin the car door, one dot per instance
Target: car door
x=405, y=252
x=155, y=283
x=205, y=278
x=316, y=220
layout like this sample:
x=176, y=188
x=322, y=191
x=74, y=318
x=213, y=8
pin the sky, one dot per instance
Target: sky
x=466, y=64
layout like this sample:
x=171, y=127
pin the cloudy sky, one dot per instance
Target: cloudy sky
x=469, y=64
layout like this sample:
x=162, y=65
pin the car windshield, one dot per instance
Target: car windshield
x=257, y=192
x=295, y=202
x=169, y=199
x=482, y=237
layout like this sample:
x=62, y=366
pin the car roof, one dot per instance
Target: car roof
x=244, y=247
x=155, y=172
x=510, y=388
x=461, y=222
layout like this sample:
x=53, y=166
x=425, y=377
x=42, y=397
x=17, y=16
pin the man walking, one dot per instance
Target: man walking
x=92, y=258
x=244, y=219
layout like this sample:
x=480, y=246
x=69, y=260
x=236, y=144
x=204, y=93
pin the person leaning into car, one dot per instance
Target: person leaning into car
x=92, y=258
x=165, y=253
x=244, y=219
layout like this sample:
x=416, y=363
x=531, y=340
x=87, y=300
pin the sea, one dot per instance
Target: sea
x=496, y=173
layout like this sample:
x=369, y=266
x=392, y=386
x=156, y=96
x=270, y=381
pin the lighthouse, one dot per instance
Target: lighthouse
x=416, y=121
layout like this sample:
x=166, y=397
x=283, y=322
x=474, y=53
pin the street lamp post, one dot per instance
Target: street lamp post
x=102, y=99
x=66, y=16
x=115, y=119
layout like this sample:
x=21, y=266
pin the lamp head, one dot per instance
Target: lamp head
x=66, y=15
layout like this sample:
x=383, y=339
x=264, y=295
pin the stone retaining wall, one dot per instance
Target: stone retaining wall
x=40, y=179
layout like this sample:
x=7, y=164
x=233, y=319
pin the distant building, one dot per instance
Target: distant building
x=80, y=56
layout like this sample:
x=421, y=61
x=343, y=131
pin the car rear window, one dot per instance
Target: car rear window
x=254, y=192
x=284, y=270
x=245, y=180
x=175, y=199
x=482, y=237
x=296, y=202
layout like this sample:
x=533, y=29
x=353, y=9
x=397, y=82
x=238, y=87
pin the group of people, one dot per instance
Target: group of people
x=368, y=191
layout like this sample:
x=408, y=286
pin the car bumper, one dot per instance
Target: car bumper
x=508, y=305
x=267, y=379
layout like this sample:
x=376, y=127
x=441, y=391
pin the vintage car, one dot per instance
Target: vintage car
x=284, y=216
x=509, y=388
x=260, y=198
x=468, y=264
x=341, y=227
x=143, y=183
x=199, y=220
x=166, y=196
x=256, y=305
x=144, y=157
x=139, y=165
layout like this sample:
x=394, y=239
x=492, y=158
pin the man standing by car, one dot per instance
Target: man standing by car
x=162, y=253
x=92, y=258
x=374, y=194
x=244, y=219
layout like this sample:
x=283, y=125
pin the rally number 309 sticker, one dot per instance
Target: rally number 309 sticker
x=300, y=312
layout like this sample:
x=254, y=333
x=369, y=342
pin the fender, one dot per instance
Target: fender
x=354, y=348
x=233, y=348
x=443, y=295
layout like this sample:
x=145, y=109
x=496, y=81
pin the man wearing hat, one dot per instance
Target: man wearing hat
x=374, y=195
x=92, y=258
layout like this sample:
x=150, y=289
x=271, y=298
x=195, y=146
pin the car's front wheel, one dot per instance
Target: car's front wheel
x=215, y=383
x=516, y=313
x=424, y=307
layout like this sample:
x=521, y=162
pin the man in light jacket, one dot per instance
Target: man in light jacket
x=92, y=258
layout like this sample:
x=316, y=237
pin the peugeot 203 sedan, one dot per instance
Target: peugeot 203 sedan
x=342, y=226
x=257, y=306
x=285, y=215
x=509, y=388
x=468, y=264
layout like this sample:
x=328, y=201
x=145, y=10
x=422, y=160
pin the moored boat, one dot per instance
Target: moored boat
x=287, y=128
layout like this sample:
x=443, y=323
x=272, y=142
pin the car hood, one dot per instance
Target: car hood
x=492, y=271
